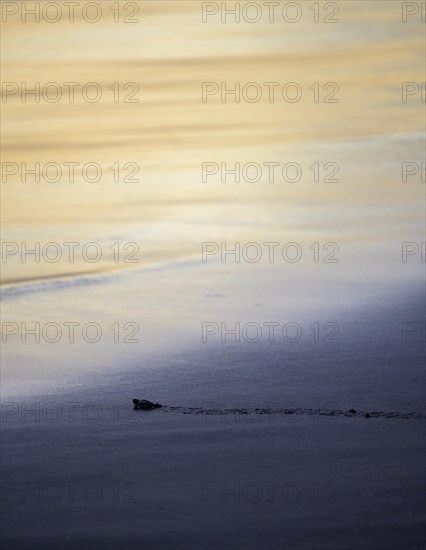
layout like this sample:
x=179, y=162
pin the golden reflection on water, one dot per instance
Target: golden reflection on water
x=170, y=132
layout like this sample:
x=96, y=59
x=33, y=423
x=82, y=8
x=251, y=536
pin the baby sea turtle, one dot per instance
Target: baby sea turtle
x=145, y=404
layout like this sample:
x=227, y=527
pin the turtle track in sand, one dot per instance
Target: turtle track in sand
x=351, y=413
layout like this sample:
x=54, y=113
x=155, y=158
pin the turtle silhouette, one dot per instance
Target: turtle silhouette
x=145, y=404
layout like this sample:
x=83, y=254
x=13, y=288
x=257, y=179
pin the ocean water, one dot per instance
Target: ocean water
x=149, y=221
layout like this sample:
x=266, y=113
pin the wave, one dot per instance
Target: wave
x=54, y=283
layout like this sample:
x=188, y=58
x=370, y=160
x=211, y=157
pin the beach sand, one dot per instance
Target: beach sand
x=255, y=446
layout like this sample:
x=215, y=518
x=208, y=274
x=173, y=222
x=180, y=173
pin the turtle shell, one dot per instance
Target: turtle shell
x=145, y=404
